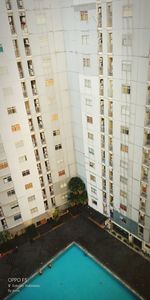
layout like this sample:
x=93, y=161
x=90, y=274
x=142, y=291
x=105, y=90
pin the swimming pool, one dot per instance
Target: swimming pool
x=74, y=275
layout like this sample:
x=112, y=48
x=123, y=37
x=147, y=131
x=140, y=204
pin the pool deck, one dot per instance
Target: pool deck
x=128, y=265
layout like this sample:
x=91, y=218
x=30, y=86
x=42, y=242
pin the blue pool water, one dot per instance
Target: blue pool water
x=74, y=276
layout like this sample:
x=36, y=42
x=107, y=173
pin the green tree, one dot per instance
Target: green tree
x=77, y=190
x=4, y=236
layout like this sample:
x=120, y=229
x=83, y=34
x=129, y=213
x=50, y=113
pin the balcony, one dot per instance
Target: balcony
x=37, y=105
x=99, y=16
x=101, y=88
x=147, y=141
x=34, y=88
x=144, y=195
x=31, y=125
x=142, y=206
x=37, y=157
x=40, y=123
x=110, y=89
x=20, y=4
x=110, y=130
x=109, y=14
x=100, y=42
x=11, y=24
x=110, y=66
x=101, y=66
x=30, y=68
x=39, y=171
x=145, y=178
x=8, y=5
x=42, y=136
x=110, y=112
x=45, y=153
x=109, y=42
x=44, y=194
x=20, y=69
x=24, y=90
x=23, y=22
x=141, y=219
x=27, y=106
x=34, y=142
x=146, y=163
x=41, y=183
x=16, y=48
x=27, y=47
x=148, y=95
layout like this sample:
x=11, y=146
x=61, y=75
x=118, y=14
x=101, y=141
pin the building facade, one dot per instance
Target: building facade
x=36, y=125
x=75, y=100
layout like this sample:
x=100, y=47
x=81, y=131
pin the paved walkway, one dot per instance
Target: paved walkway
x=125, y=263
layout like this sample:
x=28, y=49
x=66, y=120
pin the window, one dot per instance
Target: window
x=91, y=150
x=15, y=127
x=93, y=190
x=58, y=147
x=124, y=130
x=34, y=210
x=19, y=144
x=3, y=165
x=10, y=193
x=87, y=83
x=31, y=198
x=86, y=62
x=123, y=179
x=61, y=173
x=126, y=66
x=63, y=185
x=124, y=148
x=126, y=89
x=89, y=119
x=49, y=82
x=123, y=194
x=22, y=158
x=125, y=110
x=59, y=161
x=84, y=15
x=14, y=205
x=123, y=164
x=7, y=179
x=127, y=40
x=56, y=132
x=40, y=19
x=91, y=164
x=123, y=207
x=88, y=102
x=17, y=217
x=85, y=39
x=94, y=202
x=28, y=186
x=25, y=173
x=90, y=136
x=93, y=178
x=1, y=48
x=127, y=11
x=54, y=117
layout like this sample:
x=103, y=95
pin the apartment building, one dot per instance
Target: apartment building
x=36, y=145
x=124, y=117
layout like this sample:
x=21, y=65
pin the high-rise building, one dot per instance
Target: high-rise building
x=36, y=125
x=75, y=100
